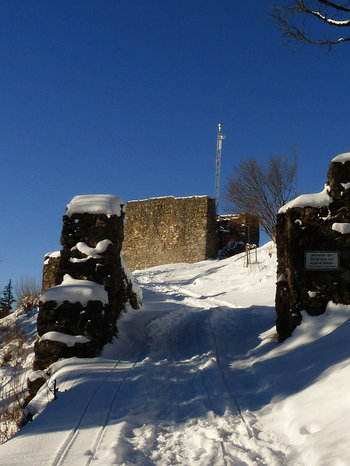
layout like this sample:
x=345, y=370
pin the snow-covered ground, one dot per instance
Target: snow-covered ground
x=196, y=377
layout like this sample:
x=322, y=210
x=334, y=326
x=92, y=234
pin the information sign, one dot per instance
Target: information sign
x=321, y=260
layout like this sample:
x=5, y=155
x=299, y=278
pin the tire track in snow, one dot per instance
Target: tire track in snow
x=198, y=313
x=211, y=403
x=192, y=300
x=64, y=451
x=210, y=305
x=104, y=428
x=224, y=379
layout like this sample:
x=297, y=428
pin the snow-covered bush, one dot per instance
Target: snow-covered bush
x=17, y=334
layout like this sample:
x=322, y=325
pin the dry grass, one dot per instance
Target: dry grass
x=27, y=293
x=13, y=338
x=11, y=413
x=13, y=390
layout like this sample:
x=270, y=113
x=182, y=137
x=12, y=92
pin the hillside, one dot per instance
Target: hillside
x=196, y=377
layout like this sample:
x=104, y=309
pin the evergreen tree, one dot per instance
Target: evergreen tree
x=6, y=300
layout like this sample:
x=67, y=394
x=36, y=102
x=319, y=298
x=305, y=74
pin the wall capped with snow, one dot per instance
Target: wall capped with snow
x=313, y=250
x=85, y=285
x=169, y=230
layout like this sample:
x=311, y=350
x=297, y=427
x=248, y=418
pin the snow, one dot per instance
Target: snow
x=68, y=340
x=343, y=228
x=332, y=21
x=35, y=375
x=342, y=158
x=282, y=278
x=74, y=291
x=136, y=289
x=95, y=204
x=197, y=377
x=18, y=332
x=51, y=254
x=94, y=253
x=172, y=197
x=309, y=200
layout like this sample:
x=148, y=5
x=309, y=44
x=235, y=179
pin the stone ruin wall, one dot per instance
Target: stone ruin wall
x=313, y=250
x=169, y=230
x=235, y=231
x=90, y=262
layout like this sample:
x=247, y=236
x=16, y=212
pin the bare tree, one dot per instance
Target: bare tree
x=262, y=190
x=300, y=21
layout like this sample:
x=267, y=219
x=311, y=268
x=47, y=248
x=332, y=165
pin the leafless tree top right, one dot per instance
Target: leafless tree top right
x=319, y=22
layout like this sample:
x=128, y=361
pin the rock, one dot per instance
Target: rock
x=306, y=227
x=89, y=265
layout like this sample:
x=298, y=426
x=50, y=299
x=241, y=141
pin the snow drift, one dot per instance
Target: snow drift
x=196, y=377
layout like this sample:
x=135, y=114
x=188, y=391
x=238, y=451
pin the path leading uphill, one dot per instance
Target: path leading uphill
x=170, y=390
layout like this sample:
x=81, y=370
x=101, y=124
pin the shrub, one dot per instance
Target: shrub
x=27, y=294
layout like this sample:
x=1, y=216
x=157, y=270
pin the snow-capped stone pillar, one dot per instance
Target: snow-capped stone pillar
x=313, y=250
x=86, y=284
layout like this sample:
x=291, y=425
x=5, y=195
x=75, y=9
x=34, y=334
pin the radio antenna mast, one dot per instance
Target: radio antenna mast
x=220, y=138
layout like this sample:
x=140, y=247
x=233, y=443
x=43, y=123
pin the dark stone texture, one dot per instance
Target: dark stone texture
x=51, y=275
x=48, y=352
x=310, y=229
x=95, y=320
x=33, y=387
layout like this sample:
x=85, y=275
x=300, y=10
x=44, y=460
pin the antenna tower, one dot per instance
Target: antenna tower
x=220, y=138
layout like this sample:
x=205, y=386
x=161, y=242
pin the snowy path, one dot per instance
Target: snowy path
x=165, y=393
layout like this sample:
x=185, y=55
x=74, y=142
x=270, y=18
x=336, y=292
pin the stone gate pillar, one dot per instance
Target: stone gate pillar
x=85, y=285
x=313, y=250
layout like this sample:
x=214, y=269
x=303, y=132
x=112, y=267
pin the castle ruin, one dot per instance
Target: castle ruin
x=169, y=230
x=313, y=250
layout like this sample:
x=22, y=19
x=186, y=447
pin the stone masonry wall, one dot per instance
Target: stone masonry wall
x=313, y=250
x=85, y=285
x=235, y=231
x=169, y=230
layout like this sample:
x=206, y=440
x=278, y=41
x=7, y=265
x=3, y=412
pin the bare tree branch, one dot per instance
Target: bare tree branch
x=336, y=6
x=291, y=20
x=323, y=17
x=260, y=190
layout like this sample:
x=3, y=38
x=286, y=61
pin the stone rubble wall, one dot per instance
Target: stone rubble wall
x=307, y=227
x=235, y=231
x=91, y=252
x=169, y=230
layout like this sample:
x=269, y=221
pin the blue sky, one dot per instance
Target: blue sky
x=123, y=97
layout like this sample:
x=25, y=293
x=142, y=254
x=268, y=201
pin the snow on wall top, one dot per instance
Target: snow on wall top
x=168, y=197
x=74, y=291
x=95, y=204
x=342, y=158
x=343, y=228
x=309, y=200
x=68, y=340
x=50, y=255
